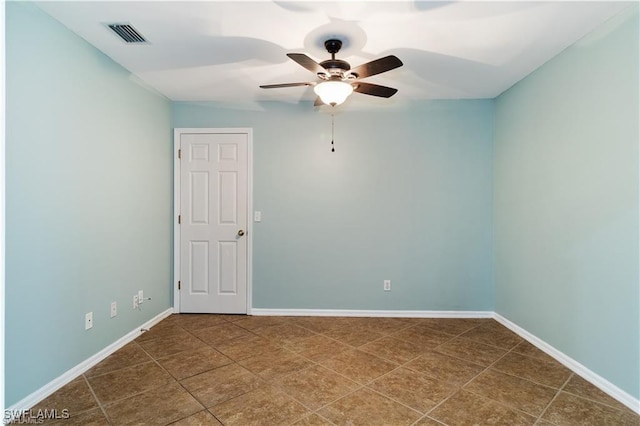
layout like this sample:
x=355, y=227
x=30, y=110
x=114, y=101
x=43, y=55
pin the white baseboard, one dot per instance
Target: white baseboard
x=595, y=379
x=67, y=377
x=370, y=313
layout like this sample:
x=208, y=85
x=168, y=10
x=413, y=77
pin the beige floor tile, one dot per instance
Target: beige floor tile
x=568, y=409
x=392, y=349
x=467, y=409
x=413, y=389
x=201, y=418
x=356, y=336
x=313, y=420
x=255, y=322
x=276, y=364
x=325, y=324
x=493, y=334
x=128, y=381
x=263, y=406
x=452, y=326
x=422, y=336
x=162, y=329
x=75, y=397
x=284, y=334
x=318, y=347
x=470, y=350
x=367, y=408
x=246, y=346
x=189, y=363
x=221, y=384
x=221, y=333
x=359, y=366
x=316, y=386
x=232, y=318
x=513, y=391
x=446, y=368
x=193, y=322
x=549, y=373
x=319, y=324
x=384, y=325
x=526, y=348
x=93, y=417
x=130, y=354
x=427, y=421
x=151, y=408
x=580, y=387
x=160, y=348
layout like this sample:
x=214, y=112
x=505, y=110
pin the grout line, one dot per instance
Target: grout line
x=553, y=400
x=100, y=405
x=428, y=417
x=520, y=378
x=119, y=368
x=394, y=400
x=622, y=408
x=461, y=387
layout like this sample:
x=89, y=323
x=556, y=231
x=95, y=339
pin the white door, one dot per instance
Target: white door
x=213, y=221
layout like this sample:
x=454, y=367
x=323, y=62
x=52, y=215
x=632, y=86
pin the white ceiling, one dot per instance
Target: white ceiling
x=222, y=51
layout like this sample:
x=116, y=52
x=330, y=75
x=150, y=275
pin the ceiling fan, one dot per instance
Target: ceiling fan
x=338, y=80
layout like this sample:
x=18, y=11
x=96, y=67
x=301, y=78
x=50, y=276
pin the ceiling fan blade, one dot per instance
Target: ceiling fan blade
x=376, y=67
x=374, y=89
x=318, y=102
x=307, y=62
x=276, y=86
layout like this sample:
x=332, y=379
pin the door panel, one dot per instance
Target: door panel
x=213, y=207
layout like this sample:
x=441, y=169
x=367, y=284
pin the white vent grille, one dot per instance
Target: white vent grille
x=127, y=33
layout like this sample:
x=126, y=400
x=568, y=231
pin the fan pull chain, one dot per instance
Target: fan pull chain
x=332, y=132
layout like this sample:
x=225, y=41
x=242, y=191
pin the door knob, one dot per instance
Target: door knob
x=240, y=233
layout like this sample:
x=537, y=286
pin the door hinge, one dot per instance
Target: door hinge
x=179, y=285
x=179, y=153
x=179, y=219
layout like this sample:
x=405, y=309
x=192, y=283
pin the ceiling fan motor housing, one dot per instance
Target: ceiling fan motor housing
x=335, y=67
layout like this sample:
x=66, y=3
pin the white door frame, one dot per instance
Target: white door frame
x=177, y=132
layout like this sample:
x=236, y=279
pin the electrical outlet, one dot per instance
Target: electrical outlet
x=387, y=285
x=257, y=216
x=114, y=309
x=140, y=297
x=88, y=320
x=135, y=301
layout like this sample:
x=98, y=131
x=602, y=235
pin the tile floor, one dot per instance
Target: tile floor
x=244, y=370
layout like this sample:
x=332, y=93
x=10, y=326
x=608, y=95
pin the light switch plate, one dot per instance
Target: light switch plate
x=257, y=216
x=387, y=285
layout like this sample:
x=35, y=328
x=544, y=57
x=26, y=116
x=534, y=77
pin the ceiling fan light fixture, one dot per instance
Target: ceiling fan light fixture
x=333, y=92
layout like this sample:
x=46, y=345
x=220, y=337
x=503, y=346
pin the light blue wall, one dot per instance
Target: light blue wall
x=407, y=196
x=88, y=200
x=566, y=203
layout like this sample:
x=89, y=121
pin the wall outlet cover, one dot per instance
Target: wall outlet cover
x=88, y=320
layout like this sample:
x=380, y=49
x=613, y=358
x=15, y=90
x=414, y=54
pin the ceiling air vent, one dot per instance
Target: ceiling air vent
x=127, y=33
